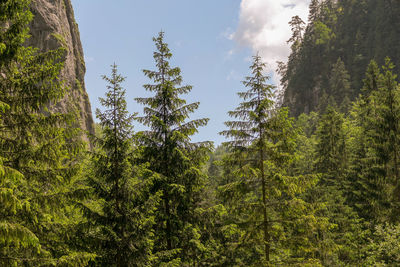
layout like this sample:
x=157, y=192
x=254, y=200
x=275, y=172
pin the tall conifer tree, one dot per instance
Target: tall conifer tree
x=13, y=232
x=266, y=137
x=34, y=149
x=297, y=26
x=340, y=86
x=332, y=157
x=376, y=165
x=315, y=11
x=386, y=133
x=331, y=147
x=123, y=217
x=167, y=147
x=368, y=193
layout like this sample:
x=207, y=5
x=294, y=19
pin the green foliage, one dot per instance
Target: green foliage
x=384, y=248
x=13, y=235
x=337, y=242
x=368, y=193
x=297, y=27
x=323, y=34
x=375, y=167
x=121, y=217
x=16, y=15
x=39, y=150
x=305, y=144
x=268, y=217
x=331, y=151
x=355, y=31
x=168, y=150
x=319, y=190
x=339, y=85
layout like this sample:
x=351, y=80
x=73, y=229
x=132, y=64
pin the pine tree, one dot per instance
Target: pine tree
x=255, y=113
x=168, y=150
x=286, y=70
x=122, y=219
x=264, y=139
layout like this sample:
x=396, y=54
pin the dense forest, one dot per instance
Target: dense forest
x=318, y=189
x=330, y=54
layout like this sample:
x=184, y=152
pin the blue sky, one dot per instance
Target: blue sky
x=211, y=41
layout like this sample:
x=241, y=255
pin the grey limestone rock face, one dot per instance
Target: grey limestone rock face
x=54, y=26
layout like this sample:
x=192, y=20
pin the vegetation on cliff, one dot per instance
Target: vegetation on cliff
x=349, y=33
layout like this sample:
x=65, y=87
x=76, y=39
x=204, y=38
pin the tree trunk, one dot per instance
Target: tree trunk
x=264, y=204
x=264, y=196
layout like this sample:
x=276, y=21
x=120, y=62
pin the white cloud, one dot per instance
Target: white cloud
x=263, y=26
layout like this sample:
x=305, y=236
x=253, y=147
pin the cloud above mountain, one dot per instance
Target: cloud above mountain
x=263, y=26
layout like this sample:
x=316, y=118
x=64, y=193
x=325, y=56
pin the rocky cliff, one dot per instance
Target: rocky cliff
x=54, y=26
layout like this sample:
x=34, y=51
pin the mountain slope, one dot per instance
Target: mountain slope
x=354, y=31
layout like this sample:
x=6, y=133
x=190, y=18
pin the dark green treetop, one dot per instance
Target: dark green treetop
x=167, y=147
x=262, y=145
x=39, y=148
x=121, y=221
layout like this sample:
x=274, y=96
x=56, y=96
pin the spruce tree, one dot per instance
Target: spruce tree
x=13, y=233
x=368, y=189
x=168, y=150
x=376, y=168
x=297, y=26
x=332, y=157
x=122, y=215
x=371, y=80
x=285, y=70
x=340, y=86
x=40, y=166
x=255, y=113
x=264, y=139
x=331, y=149
x=315, y=10
x=387, y=133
